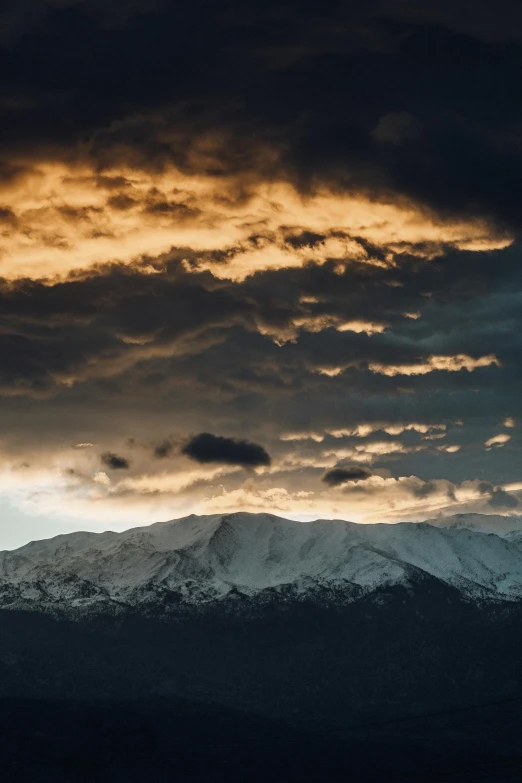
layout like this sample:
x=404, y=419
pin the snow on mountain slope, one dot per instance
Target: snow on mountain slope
x=202, y=559
x=481, y=523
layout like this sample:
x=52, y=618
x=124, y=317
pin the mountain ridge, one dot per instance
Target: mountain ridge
x=198, y=561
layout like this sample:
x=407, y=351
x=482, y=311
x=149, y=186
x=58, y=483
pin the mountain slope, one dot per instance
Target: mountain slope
x=198, y=561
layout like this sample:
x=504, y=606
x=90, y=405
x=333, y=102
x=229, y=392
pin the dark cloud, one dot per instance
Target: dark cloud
x=114, y=461
x=66, y=329
x=424, y=490
x=485, y=19
x=338, y=476
x=263, y=77
x=163, y=450
x=188, y=339
x=502, y=499
x=485, y=487
x=7, y=216
x=206, y=448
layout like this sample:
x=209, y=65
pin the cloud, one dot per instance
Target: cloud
x=114, y=461
x=163, y=450
x=341, y=475
x=446, y=363
x=424, y=489
x=270, y=225
x=206, y=447
x=394, y=128
x=498, y=440
x=487, y=20
x=238, y=249
x=501, y=499
x=208, y=121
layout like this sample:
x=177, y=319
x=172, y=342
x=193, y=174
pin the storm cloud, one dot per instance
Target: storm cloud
x=295, y=225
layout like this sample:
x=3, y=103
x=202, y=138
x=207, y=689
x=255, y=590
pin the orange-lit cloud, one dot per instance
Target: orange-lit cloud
x=60, y=218
x=498, y=440
x=446, y=363
x=363, y=430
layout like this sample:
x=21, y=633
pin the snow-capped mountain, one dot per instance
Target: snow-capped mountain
x=205, y=559
x=499, y=524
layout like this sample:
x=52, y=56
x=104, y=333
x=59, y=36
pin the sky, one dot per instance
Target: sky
x=258, y=256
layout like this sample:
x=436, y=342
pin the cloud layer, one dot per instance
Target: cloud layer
x=225, y=225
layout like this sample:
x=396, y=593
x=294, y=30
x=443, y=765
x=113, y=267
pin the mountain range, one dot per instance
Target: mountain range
x=235, y=560
x=250, y=647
